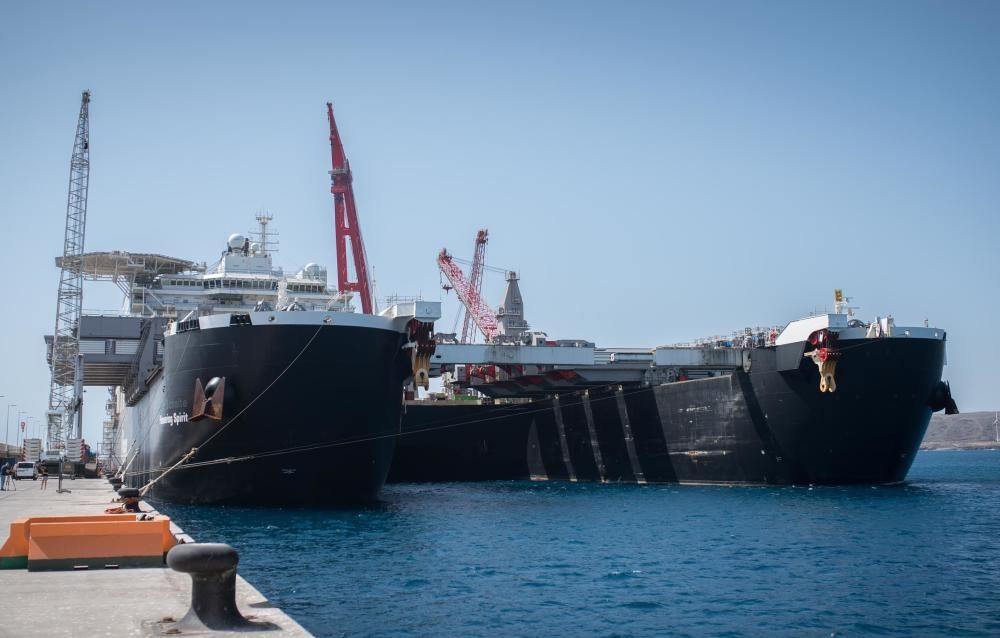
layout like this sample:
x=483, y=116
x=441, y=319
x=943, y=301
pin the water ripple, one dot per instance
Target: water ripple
x=563, y=559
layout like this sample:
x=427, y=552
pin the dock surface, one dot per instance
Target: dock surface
x=104, y=602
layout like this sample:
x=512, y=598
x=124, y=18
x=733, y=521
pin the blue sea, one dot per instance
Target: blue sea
x=575, y=559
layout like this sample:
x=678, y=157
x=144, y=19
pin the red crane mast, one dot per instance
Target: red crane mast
x=476, y=279
x=345, y=216
x=480, y=312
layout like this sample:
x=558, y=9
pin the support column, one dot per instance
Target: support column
x=633, y=457
x=563, y=443
x=595, y=445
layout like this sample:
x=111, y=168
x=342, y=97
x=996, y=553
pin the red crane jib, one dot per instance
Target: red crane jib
x=345, y=216
x=481, y=313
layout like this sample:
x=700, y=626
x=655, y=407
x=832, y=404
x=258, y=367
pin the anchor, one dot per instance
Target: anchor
x=208, y=400
x=825, y=356
x=826, y=361
x=421, y=345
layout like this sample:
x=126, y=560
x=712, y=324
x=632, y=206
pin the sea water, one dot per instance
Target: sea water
x=577, y=559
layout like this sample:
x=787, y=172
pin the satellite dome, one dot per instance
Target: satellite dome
x=254, y=248
x=311, y=269
x=236, y=240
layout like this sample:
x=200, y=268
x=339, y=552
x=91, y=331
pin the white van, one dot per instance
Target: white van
x=25, y=470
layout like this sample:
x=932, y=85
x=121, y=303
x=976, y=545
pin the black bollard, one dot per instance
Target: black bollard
x=116, y=483
x=213, y=586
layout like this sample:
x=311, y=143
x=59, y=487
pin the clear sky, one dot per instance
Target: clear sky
x=656, y=171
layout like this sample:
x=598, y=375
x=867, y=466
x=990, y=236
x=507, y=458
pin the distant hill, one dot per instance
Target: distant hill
x=972, y=430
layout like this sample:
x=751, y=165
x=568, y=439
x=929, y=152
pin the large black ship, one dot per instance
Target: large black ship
x=270, y=390
x=277, y=407
x=826, y=400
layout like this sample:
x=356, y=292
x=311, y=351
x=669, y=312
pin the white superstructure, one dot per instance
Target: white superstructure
x=243, y=279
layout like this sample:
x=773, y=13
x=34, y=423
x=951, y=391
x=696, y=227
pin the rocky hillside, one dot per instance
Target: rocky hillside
x=972, y=430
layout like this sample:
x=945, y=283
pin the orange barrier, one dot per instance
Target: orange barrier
x=14, y=553
x=73, y=542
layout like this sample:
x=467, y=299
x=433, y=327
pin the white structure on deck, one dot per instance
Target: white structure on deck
x=244, y=279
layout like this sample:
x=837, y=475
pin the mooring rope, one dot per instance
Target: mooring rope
x=440, y=425
x=264, y=391
x=145, y=488
x=238, y=414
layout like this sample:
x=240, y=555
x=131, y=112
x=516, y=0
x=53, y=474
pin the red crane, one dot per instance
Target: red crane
x=345, y=216
x=475, y=307
x=476, y=279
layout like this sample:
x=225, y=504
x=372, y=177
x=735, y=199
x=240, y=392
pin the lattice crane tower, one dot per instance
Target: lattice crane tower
x=65, y=396
x=481, y=313
x=476, y=279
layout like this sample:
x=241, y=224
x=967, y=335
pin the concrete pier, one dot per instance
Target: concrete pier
x=104, y=602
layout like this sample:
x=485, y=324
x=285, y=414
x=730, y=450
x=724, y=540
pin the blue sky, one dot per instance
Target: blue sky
x=656, y=171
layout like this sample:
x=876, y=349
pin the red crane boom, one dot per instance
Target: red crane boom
x=345, y=216
x=481, y=313
x=476, y=279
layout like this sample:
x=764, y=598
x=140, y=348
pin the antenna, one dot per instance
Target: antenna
x=841, y=303
x=264, y=235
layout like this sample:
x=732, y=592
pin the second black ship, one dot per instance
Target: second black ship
x=826, y=400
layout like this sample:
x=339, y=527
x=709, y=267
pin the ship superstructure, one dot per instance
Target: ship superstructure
x=243, y=278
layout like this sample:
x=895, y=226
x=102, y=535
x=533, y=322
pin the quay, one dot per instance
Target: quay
x=105, y=602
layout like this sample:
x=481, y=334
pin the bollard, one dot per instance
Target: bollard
x=116, y=483
x=213, y=586
x=127, y=492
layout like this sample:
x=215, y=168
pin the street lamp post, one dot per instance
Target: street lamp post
x=6, y=434
x=17, y=426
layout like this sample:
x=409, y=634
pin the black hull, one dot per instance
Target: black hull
x=462, y=442
x=319, y=430
x=768, y=425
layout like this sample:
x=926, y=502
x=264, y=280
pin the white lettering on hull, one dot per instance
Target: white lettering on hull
x=174, y=419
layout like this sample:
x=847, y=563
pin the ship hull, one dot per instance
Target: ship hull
x=461, y=441
x=310, y=414
x=768, y=424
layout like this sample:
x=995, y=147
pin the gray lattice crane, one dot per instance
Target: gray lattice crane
x=66, y=390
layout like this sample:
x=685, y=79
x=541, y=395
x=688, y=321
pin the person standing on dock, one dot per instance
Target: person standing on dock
x=4, y=473
x=45, y=478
